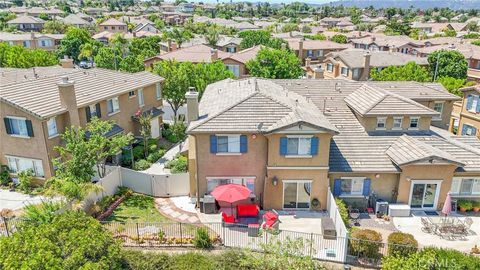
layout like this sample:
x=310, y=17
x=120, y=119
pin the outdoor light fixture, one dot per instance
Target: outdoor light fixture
x=274, y=181
x=377, y=175
x=254, y=136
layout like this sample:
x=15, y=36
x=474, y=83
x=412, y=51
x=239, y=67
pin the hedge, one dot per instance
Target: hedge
x=402, y=244
x=365, y=243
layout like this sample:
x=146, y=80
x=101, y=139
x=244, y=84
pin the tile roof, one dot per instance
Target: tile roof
x=354, y=58
x=316, y=45
x=39, y=95
x=113, y=21
x=26, y=19
x=75, y=19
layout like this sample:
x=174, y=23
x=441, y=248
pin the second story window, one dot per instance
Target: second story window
x=18, y=126
x=397, y=122
x=413, y=123
x=299, y=145
x=131, y=94
x=113, y=106
x=438, y=107
x=93, y=111
x=473, y=103
x=355, y=73
x=381, y=123
x=235, y=69
x=330, y=67
x=141, y=100
x=468, y=130
x=52, y=127
x=158, y=91
x=228, y=143
x=344, y=71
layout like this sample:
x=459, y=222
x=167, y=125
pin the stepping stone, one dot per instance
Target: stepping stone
x=193, y=219
x=183, y=217
x=168, y=211
x=174, y=214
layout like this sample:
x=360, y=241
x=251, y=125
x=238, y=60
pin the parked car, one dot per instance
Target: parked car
x=85, y=64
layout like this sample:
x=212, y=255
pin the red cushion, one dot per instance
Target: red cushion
x=227, y=218
x=247, y=210
x=270, y=216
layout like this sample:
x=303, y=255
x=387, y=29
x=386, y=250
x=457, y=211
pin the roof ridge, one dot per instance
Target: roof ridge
x=409, y=100
x=375, y=89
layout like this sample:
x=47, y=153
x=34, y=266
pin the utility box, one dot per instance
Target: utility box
x=328, y=228
x=381, y=208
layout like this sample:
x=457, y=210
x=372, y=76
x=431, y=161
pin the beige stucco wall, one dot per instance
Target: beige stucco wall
x=425, y=172
x=444, y=122
x=242, y=68
x=467, y=117
x=192, y=164
x=370, y=123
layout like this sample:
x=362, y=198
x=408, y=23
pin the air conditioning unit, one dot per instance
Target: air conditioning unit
x=381, y=208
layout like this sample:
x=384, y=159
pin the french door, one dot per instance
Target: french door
x=424, y=195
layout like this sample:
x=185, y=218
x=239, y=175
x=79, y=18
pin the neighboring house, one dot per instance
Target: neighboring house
x=27, y=23
x=76, y=20
x=290, y=141
x=113, y=25
x=185, y=8
x=466, y=119
x=146, y=26
x=47, y=42
x=315, y=50
x=357, y=64
x=37, y=105
x=229, y=44
x=378, y=42
x=175, y=18
x=235, y=62
x=436, y=28
x=36, y=11
x=95, y=12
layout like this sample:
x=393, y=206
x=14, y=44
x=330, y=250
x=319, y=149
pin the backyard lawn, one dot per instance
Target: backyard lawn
x=137, y=208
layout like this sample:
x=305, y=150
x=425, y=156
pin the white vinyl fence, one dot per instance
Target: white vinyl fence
x=340, y=227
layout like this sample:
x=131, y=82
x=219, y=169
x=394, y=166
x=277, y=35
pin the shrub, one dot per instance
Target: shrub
x=342, y=208
x=138, y=260
x=174, y=133
x=366, y=243
x=138, y=152
x=401, y=243
x=26, y=178
x=178, y=165
x=202, y=239
x=141, y=165
x=43, y=213
x=465, y=205
x=4, y=175
x=154, y=156
x=194, y=260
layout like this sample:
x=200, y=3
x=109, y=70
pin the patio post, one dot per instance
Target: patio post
x=223, y=235
x=311, y=244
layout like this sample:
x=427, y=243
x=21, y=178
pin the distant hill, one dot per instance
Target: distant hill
x=422, y=4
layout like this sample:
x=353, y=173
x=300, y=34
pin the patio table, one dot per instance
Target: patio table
x=447, y=226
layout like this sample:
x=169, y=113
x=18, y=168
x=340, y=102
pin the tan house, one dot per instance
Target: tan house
x=466, y=117
x=27, y=23
x=47, y=42
x=315, y=50
x=290, y=141
x=36, y=105
x=380, y=42
x=113, y=25
x=357, y=64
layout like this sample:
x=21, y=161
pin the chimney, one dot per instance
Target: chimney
x=173, y=47
x=308, y=61
x=134, y=34
x=68, y=99
x=300, y=50
x=66, y=62
x=192, y=104
x=366, y=66
x=318, y=73
x=373, y=38
x=213, y=55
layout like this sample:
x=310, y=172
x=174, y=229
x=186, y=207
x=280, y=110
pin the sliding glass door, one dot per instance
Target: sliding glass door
x=296, y=194
x=424, y=195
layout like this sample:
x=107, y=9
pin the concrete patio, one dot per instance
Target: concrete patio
x=413, y=225
x=16, y=200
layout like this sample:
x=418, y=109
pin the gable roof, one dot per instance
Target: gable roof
x=114, y=22
x=371, y=101
x=75, y=19
x=255, y=105
x=354, y=58
x=26, y=19
x=408, y=150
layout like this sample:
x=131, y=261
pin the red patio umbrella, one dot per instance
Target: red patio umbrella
x=230, y=193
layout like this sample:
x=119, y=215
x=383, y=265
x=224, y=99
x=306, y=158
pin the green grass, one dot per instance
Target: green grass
x=137, y=208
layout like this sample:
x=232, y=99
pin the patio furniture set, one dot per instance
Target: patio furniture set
x=447, y=227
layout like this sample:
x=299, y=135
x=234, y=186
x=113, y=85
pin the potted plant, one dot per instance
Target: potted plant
x=465, y=205
x=476, y=206
x=475, y=250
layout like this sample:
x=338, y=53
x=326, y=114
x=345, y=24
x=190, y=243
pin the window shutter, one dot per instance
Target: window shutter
x=283, y=146
x=478, y=105
x=213, y=144
x=29, y=128
x=314, y=146
x=99, y=111
x=8, y=125
x=88, y=113
x=337, y=187
x=366, y=187
x=243, y=143
x=469, y=102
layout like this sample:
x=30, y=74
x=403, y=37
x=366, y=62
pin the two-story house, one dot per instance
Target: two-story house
x=27, y=23
x=48, y=42
x=466, y=120
x=290, y=141
x=37, y=105
x=113, y=25
x=314, y=50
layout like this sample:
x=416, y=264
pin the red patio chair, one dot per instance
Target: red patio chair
x=226, y=219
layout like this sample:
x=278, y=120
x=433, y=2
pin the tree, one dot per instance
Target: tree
x=108, y=58
x=179, y=76
x=473, y=26
x=409, y=72
x=54, y=27
x=453, y=85
x=145, y=120
x=82, y=151
x=179, y=35
x=212, y=36
x=132, y=64
x=339, y=38
x=447, y=63
x=145, y=47
x=289, y=27
x=20, y=57
x=252, y=38
x=71, y=241
x=73, y=40
x=275, y=64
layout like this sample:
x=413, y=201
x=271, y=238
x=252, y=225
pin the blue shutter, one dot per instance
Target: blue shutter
x=88, y=113
x=478, y=105
x=243, y=143
x=283, y=146
x=469, y=102
x=213, y=144
x=29, y=128
x=8, y=125
x=314, y=146
x=337, y=187
x=99, y=111
x=366, y=187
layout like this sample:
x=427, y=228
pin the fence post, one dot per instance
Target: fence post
x=223, y=234
x=311, y=244
x=6, y=226
x=181, y=234
x=138, y=233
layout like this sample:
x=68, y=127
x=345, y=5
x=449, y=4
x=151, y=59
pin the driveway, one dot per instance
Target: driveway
x=16, y=200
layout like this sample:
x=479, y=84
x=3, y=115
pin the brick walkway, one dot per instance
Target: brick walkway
x=167, y=208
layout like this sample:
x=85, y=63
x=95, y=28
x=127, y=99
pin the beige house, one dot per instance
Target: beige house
x=315, y=50
x=47, y=42
x=36, y=105
x=380, y=42
x=113, y=25
x=290, y=141
x=466, y=118
x=27, y=23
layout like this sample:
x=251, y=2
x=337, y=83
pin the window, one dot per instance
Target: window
x=249, y=182
x=473, y=103
x=299, y=146
x=413, y=123
x=309, y=53
x=438, y=107
x=158, y=91
x=45, y=43
x=235, y=69
x=52, y=127
x=352, y=186
x=131, y=94
x=344, y=71
x=113, y=106
x=320, y=53
x=105, y=28
x=16, y=126
x=296, y=194
x=113, y=27
x=397, y=122
x=26, y=44
x=228, y=144
x=381, y=123
x=469, y=130
x=465, y=186
x=17, y=164
x=330, y=67
x=231, y=49
x=355, y=73
x=141, y=101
